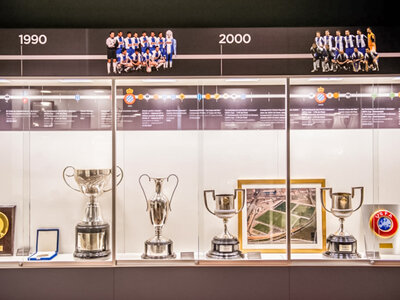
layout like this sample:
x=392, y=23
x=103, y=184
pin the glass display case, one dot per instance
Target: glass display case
x=149, y=171
x=344, y=131
x=55, y=128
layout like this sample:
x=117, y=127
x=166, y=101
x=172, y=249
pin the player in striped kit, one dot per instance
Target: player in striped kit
x=129, y=43
x=144, y=42
x=121, y=42
x=349, y=43
x=136, y=42
x=146, y=60
x=361, y=41
x=319, y=40
x=157, y=58
x=152, y=41
x=125, y=63
x=161, y=43
x=339, y=43
x=357, y=60
x=137, y=60
x=170, y=49
x=328, y=40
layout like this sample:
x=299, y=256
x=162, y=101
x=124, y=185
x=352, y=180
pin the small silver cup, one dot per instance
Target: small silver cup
x=342, y=244
x=224, y=245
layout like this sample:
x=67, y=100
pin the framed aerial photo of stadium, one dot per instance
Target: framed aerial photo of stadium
x=262, y=222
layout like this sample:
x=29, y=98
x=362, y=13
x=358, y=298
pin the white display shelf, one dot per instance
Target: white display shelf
x=135, y=259
x=264, y=259
x=316, y=259
x=199, y=259
x=61, y=260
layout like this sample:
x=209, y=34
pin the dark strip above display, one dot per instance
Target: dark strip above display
x=239, y=107
x=199, y=52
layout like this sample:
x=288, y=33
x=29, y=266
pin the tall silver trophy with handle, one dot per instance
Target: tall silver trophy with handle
x=158, y=247
x=92, y=234
x=342, y=244
x=225, y=245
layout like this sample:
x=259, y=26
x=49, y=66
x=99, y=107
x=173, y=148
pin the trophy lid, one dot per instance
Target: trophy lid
x=93, y=171
x=341, y=194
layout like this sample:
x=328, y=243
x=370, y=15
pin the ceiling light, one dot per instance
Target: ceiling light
x=75, y=80
x=159, y=80
x=242, y=79
x=326, y=79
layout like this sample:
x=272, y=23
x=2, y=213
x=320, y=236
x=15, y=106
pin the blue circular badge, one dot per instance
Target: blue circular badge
x=385, y=223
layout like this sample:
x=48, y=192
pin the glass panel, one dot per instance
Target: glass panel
x=49, y=125
x=242, y=146
x=343, y=134
x=157, y=142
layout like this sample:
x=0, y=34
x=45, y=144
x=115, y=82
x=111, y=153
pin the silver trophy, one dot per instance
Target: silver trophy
x=158, y=247
x=92, y=234
x=224, y=245
x=342, y=244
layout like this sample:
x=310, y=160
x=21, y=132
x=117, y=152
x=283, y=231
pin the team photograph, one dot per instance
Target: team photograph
x=144, y=53
x=345, y=53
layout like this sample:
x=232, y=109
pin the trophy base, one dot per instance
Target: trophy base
x=225, y=249
x=158, y=248
x=92, y=241
x=341, y=247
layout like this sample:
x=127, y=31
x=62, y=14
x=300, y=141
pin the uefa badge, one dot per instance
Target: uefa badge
x=320, y=97
x=7, y=97
x=383, y=223
x=129, y=98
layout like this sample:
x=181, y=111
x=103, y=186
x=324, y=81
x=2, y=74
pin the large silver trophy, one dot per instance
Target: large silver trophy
x=342, y=244
x=225, y=245
x=92, y=233
x=158, y=247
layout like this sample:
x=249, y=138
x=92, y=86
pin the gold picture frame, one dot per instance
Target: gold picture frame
x=279, y=184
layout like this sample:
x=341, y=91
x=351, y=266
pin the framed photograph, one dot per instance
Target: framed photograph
x=262, y=222
x=7, y=228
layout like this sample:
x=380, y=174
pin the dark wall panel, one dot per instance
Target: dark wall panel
x=56, y=284
x=194, y=13
x=344, y=283
x=200, y=283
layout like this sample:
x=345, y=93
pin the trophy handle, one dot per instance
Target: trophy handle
x=65, y=180
x=120, y=174
x=236, y=194
x=144, y=193
x=322, y=197
x=173, y=192
x=361, y=188
x=205, y=199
